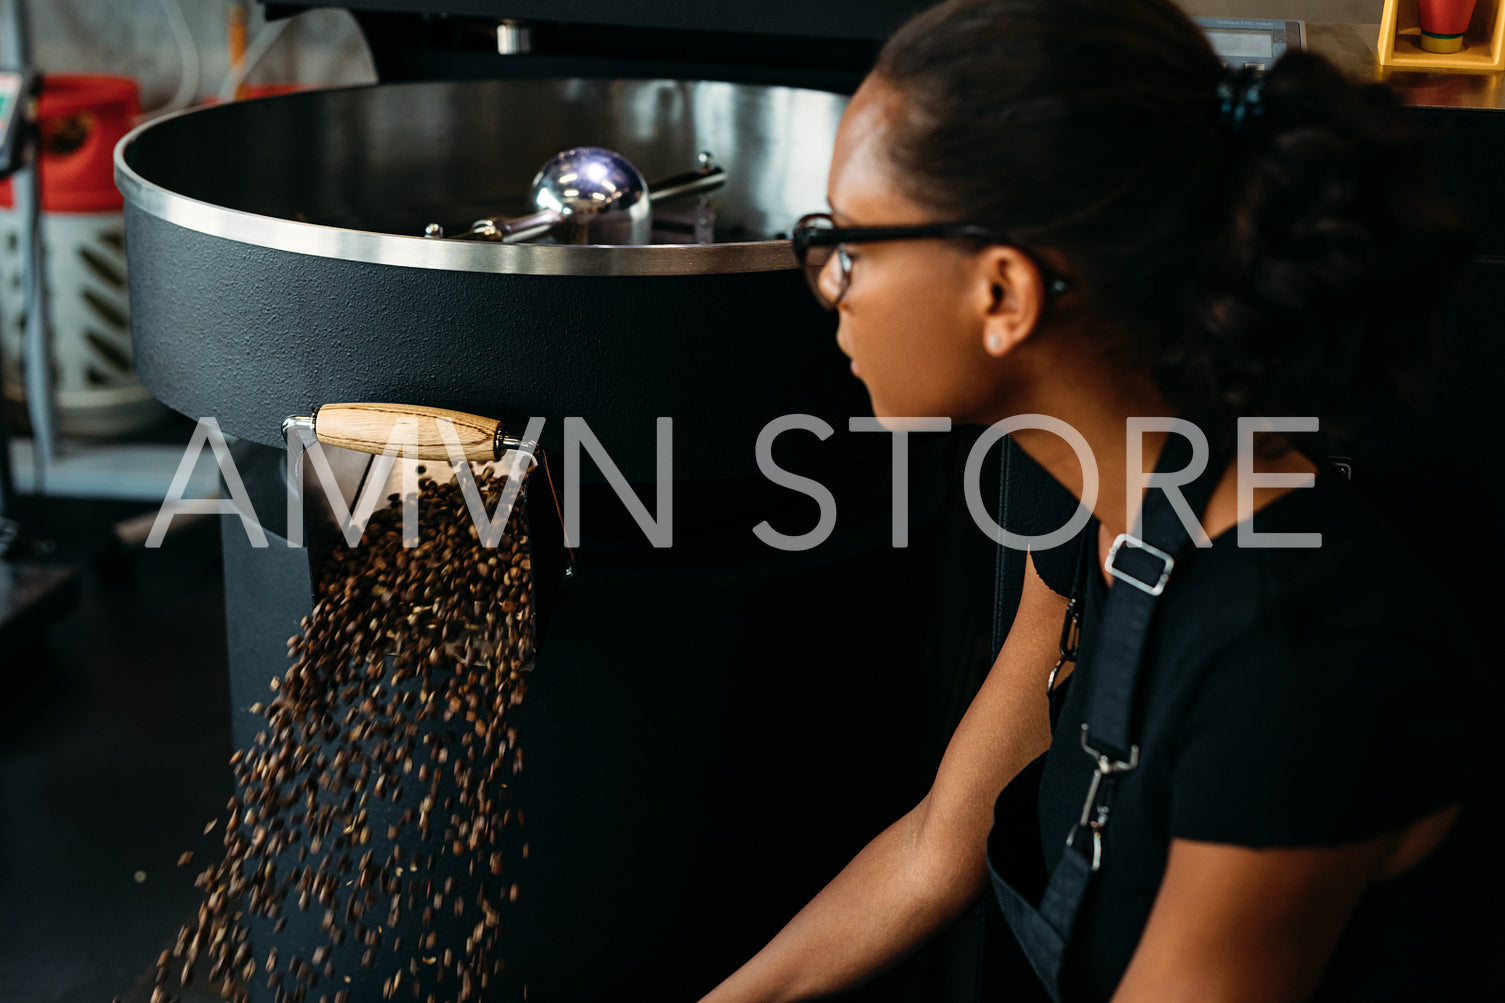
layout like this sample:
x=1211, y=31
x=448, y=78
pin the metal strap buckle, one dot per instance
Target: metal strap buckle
x=1135, y=543
x=1097, y=841
x=1106, y=766
x=1071, y=633
x=1095, y=816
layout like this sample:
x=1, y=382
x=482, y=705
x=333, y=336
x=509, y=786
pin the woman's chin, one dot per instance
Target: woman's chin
x=902, y=422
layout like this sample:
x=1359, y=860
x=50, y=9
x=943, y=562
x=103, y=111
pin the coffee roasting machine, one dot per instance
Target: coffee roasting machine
x=713, y=729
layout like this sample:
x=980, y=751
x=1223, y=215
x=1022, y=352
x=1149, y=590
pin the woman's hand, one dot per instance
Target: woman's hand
x=922, y=871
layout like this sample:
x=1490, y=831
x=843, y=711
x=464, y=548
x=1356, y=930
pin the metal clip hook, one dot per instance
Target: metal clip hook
x=1071, y=636
x=1095, y=816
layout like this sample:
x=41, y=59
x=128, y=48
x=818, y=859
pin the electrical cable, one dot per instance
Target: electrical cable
x=191, y=74
x=258, y=49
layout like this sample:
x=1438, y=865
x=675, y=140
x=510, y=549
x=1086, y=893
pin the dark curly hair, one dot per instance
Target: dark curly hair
x=1269, y=269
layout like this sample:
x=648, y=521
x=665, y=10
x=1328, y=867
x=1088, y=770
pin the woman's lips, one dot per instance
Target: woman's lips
x=848, y=353
x=844, y=351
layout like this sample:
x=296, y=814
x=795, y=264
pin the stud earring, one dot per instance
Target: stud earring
x=994, y=342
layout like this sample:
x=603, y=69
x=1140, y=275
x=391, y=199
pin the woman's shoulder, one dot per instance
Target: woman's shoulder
x=1320, y=562
x=1335, y=707
x=1350, y=623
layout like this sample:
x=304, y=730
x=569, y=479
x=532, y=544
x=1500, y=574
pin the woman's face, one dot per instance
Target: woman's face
x=914, y=319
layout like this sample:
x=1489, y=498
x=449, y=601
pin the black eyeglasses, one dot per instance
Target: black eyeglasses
x=818, y=241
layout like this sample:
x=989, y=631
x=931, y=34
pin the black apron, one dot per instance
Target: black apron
x=1042, y=910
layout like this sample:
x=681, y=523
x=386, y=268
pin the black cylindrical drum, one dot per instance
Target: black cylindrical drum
x=711, y=730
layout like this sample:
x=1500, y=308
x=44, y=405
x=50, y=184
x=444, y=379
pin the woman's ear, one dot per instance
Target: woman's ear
x=1011, y=298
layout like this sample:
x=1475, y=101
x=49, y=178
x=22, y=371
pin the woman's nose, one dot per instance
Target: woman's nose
x=832, y=279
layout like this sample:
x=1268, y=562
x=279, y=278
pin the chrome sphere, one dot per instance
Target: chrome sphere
x=601, y=194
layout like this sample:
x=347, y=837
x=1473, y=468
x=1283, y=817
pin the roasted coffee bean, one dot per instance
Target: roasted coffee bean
x=400, y=641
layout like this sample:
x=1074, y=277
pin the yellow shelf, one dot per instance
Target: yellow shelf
x=1483, y=43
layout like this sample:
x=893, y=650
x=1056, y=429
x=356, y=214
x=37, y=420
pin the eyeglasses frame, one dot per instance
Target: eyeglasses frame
x=805, y=237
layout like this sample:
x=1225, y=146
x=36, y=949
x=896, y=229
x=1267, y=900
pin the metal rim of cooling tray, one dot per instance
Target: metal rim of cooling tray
x=423, y=252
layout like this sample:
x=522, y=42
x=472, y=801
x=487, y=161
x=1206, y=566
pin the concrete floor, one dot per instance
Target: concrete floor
x=113, y=755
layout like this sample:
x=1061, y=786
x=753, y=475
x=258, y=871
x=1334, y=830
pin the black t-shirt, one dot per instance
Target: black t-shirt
x=1288, y=698
x=1038, y=506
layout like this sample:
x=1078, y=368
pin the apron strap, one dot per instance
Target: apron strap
x=1142, y=562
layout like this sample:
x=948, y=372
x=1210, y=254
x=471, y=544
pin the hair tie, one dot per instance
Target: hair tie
x=1243, y=95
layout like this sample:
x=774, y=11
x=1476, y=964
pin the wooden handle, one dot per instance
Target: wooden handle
x=370, y=428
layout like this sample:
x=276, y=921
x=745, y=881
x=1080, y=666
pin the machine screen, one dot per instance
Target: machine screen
x=1239, y=43
x=1251, y=42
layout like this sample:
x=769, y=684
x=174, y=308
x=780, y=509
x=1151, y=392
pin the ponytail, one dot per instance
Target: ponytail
x=1321, y=285
x=1271, y=244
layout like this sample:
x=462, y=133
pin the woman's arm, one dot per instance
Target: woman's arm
x=1234, y=924
x=925, y=868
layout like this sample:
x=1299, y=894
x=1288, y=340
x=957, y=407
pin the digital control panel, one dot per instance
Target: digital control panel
x=1252, y=42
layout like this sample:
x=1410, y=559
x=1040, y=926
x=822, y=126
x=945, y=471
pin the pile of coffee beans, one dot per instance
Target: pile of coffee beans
x=374, y=809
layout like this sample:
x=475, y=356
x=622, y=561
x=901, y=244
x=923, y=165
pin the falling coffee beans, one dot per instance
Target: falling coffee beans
x=373, y=806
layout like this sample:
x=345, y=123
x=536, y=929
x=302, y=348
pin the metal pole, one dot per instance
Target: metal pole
x=16, y=52
x=37, y=350
x=14, y=46
x=15, y=35
x=7, y=483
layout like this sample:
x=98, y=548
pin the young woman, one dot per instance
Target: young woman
x=1085, y=216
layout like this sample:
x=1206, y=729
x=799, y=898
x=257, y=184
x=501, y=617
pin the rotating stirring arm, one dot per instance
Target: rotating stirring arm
x=706, y=178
